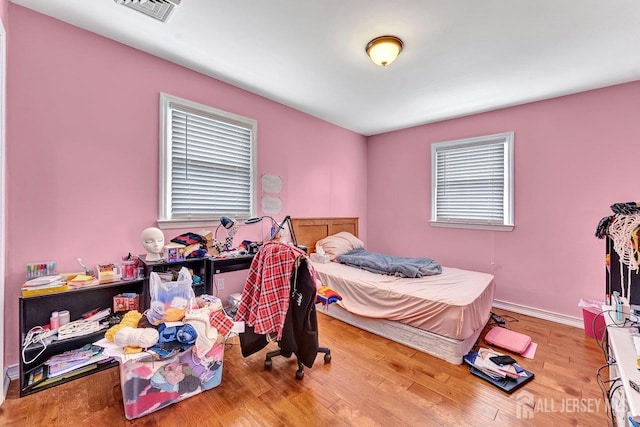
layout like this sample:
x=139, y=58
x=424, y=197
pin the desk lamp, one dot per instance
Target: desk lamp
x=275, y=229
x=227, y=223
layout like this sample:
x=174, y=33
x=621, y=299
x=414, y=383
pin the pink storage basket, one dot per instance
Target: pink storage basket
x=591, y=329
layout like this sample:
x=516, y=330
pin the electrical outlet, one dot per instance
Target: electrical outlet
x=220, y=284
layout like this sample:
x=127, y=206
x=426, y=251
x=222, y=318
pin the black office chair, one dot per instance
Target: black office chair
x=267, y=282
x=300, y=333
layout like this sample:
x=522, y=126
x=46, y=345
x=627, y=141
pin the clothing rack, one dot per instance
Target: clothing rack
x=619, y=275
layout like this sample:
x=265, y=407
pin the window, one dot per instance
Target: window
x=207, y=164
x=472, y=183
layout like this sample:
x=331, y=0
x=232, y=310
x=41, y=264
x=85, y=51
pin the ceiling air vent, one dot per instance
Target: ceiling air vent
x=157, y=9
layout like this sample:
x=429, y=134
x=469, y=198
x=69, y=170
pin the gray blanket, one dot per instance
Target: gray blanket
x=389, y=264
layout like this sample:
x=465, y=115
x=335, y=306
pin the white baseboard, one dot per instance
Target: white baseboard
x=5, y=385
x=540, y=314
x=6, y=380
x=13, y=372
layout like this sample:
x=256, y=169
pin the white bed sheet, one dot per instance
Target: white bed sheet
x=454, y=304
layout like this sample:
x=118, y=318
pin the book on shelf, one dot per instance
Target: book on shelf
x=36, y=376
x=68, y=367
x=35, y=291
x=71, y=360
x=70, y=356
x=43, y=285
x=40, y=376
x=67, y=375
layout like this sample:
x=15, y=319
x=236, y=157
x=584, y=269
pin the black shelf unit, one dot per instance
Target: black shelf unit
x=206, y=268
x=233, y=263
x=200, y=267
x=36, y=310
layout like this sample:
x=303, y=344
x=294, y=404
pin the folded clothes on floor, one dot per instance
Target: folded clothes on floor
x=326, y=295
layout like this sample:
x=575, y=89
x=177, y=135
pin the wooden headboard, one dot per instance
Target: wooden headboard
x=309, y=230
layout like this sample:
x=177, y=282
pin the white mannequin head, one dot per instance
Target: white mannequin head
x=153, y=241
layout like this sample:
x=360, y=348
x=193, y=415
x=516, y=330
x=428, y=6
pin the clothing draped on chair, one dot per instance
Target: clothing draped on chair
x=278, y=300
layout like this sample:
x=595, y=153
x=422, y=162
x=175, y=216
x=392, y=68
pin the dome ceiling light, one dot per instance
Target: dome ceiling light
x=384, y=50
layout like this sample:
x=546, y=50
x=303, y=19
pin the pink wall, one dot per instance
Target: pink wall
x=82, y=174
x=82, y=120
x=574, y=157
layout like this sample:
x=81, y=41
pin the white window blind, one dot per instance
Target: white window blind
x=208, y=164
x=472, y=182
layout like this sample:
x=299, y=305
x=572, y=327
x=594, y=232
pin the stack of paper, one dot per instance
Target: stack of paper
x=481, y=360
x=81, y=280
x=44, y=285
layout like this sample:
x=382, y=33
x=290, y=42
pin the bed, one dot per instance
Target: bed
x=441, y=315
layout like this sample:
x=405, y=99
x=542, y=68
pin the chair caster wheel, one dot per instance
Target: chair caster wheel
x=267, y=364
x=299, y=374
x=327, y=358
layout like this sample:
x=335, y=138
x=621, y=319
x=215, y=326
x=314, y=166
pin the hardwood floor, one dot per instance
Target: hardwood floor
x=370, y=382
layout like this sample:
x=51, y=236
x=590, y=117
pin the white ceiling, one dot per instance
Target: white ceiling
x=460, y=57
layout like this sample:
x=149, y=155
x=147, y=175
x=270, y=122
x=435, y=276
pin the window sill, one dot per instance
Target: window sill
x=494, y=227
x=165, y=224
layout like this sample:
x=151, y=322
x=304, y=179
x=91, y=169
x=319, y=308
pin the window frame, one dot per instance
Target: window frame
x=167, y=102
x=506, y=139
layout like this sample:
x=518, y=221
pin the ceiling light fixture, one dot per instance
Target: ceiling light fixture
x=384, y=50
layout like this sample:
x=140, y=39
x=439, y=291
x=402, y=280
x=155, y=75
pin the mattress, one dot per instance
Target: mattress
x=455, y=304
x=448, y=349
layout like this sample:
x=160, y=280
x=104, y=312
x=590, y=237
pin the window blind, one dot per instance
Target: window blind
x=473, y=181
x=211, y=166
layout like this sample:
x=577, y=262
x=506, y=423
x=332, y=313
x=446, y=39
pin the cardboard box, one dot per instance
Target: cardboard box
x=174, y=252
x=208, y=236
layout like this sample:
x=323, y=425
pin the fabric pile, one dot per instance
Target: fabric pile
x=389, y=264
x=180, y=358
x=172, y=352
x=150, y=385
x=193, y=245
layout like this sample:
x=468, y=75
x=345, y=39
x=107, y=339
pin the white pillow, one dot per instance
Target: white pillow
x=338, y=244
